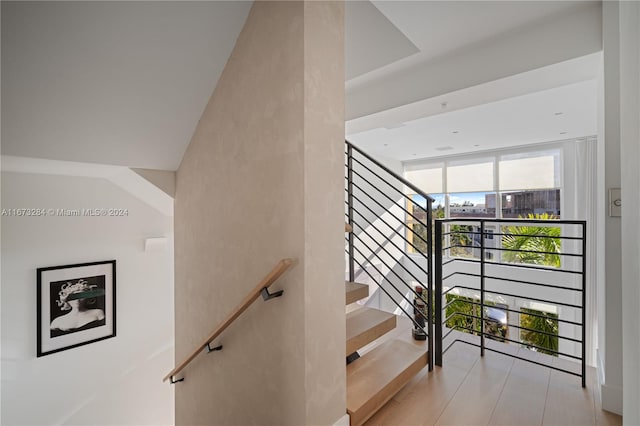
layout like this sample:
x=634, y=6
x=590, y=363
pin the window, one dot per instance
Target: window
x=472, y=204
x=458, y=176
x=505, y=185
x=541, y=330
x=463, y=314
x=417, y=233
x=524, y=203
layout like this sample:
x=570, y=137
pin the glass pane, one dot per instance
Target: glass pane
x=428, y=180
x=464, y=241
x=530, y=171
x=438, y=206
x=539, y=331
x=470, y=177
x=416, y=218
x=522, y=204
x=535, y=244
x=472, y=204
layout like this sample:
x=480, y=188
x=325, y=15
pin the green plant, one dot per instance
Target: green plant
x=547, y=323
x=461, y=240
x=537, y=245
x=461, y=312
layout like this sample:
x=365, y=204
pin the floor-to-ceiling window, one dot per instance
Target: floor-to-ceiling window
x=522, y=184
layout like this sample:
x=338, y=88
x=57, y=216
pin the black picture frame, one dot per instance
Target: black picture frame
x=76, y=305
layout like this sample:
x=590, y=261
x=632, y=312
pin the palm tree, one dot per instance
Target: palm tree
x=547, y=323
x=538, y=245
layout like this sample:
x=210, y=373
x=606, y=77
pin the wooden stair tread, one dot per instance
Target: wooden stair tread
x=376, y=377
x=355, y=292
x=365, y=325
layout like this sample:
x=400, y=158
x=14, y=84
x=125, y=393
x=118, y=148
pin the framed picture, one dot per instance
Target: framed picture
x=76, y=305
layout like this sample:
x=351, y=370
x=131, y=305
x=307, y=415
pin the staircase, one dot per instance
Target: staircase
x=382, y=355
x=375, y=377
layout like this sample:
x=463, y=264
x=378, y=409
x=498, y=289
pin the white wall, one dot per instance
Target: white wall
x=630, y=154
x=114, y=381
x=609, y=228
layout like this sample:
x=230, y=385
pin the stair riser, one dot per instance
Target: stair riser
x=355, y=295
x=363, y=339
x=374, y=404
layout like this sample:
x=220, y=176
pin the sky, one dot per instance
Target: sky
x=474, y=197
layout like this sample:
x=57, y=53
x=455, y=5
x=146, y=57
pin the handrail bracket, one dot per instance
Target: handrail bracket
x=173, y=381
x=210, y=349
x=268, y=296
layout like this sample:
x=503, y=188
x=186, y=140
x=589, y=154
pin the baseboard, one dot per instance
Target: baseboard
x=611, y=398
x=342, y=421
x=599, y=368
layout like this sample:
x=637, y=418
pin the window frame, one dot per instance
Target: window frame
x=555, y=148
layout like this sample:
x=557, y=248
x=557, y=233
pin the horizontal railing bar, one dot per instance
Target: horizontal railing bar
x=559, y=287
x=386, y=169
x=394, y=202
x=379, y=177
x=514, y=265
x=372, y=185
x=508, y=325
x=515, y=341
x=397, y=261
x=389, y=281
x=348, y=237
x=536, y=236
x=387, y=208
x=516, y=295
x=469, y=274
x=537, y=252
x=387, y=293
x=509, y=235
x=553, y=221
x=392, y=242
x=514, y=311
x=277, y=271
x=390, y=227
x=513, y=281
x=516, y=250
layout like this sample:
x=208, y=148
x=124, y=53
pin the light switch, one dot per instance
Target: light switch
x=615, y=202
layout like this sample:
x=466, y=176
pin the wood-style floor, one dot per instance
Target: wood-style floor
x=495, y=390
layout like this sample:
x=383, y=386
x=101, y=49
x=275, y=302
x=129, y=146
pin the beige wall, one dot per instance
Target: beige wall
x=261, y=180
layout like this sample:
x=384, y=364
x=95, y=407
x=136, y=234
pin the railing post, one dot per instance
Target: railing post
x=584, y=304
x=438, y=293
x=482, y=288
x=352, y=272
x=430, y=280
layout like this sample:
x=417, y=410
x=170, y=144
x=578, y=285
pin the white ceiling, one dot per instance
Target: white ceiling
x=439, y=28
x=555, y=114
x=125, y=83
x=515, y=110
x=121, y=83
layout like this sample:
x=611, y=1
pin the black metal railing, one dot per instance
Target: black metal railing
x=484, y=277
x=377, y=208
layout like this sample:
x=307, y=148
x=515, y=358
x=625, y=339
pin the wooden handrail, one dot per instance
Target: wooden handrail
x=269, y=279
